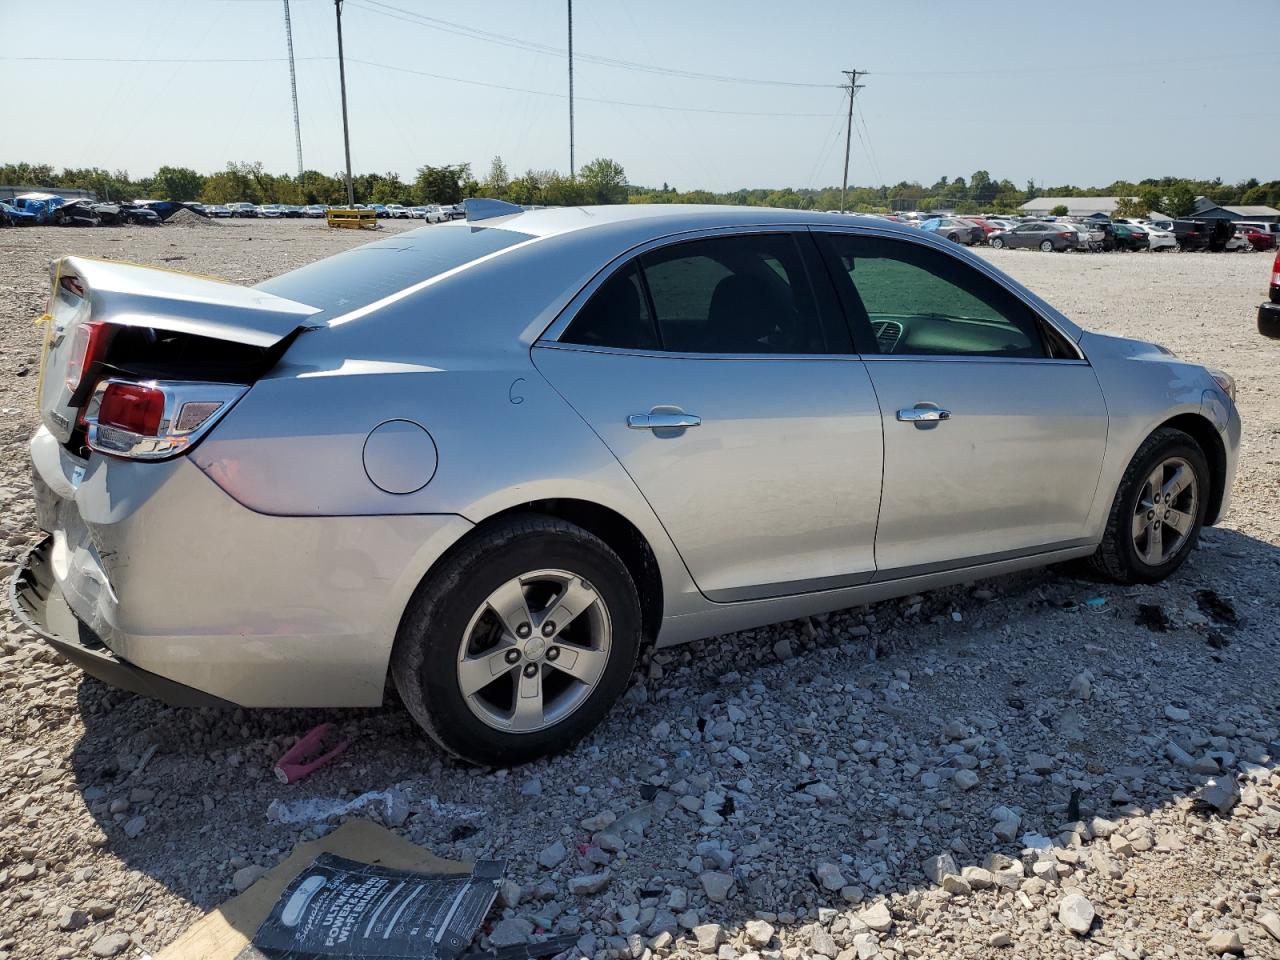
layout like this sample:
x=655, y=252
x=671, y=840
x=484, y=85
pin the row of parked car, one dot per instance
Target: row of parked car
x=432, y=212
x=35, y=209
x=1060, y=234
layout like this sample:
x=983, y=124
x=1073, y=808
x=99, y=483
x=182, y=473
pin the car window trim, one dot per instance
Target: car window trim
x=551, y=335
x=982, y=267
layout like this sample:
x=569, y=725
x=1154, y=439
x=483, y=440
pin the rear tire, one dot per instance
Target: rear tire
x=1046, y=246
x=1150, y=533
x=470, y=675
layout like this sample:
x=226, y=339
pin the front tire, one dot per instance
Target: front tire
x=1158, y=510
x=519, y=643
x=997, y=243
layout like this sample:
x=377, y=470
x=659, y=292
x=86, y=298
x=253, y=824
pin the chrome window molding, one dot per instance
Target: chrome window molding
x=551, y=335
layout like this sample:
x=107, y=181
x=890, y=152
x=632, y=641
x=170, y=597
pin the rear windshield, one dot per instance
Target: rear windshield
x=358, y=277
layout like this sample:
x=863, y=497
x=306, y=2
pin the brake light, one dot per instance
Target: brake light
x=88, y=346
x=1275, y=272
x=156, y=419
x=134, y=407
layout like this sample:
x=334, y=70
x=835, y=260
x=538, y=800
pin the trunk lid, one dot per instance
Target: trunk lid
x=158, y=323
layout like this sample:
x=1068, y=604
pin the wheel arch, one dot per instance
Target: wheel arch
x=620, y=534
x=1206, y=436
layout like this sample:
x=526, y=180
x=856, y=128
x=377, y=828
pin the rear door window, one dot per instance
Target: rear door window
x=738, y=294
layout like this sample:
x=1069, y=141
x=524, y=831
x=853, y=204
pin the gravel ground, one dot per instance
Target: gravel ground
x=1014, y=768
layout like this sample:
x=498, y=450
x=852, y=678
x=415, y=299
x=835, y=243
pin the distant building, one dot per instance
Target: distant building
x=1076, y=206
x=1206, y=209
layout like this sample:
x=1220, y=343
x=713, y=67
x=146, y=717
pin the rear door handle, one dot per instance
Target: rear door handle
x=662, y=421
x=924, y=414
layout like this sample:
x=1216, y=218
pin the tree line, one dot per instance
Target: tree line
x=603, y=181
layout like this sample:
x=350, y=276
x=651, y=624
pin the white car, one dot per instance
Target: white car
x=271, y=210
x=1159, y=238
x=418, y=213
x=398, y=211
x=436, y=214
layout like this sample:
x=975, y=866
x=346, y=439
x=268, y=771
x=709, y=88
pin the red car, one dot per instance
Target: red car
x=1260, y=240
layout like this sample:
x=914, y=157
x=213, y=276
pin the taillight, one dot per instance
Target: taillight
x=1275, y=272
x=88, y=346
x=134, y=407
x=155, y=419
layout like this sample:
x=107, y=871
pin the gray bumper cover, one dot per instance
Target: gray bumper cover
x=38, y=603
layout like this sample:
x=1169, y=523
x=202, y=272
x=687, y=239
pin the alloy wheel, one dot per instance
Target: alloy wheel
x=534, y=651
x=1166, y=512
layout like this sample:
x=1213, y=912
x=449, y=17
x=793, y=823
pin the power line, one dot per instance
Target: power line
x=531, y=46
x=789, y=114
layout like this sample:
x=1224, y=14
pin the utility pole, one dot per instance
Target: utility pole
x=342, y=81
x=853, y=88
x=573, y=170
x=293, y=84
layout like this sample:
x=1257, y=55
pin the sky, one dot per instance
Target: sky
x=1083, y=93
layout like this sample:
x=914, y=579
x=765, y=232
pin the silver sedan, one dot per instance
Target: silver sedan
x=495, y=459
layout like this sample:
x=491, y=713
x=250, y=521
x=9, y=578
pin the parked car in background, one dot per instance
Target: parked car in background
x=217, y=210
x=243, y=209
x=315, y=210
x=397, y=211
x=1088, y=238
x=954, y=229
x=1269, y=313
x=982, y=224
x=1039, y=235
x=38, y=205
x=1126, y=236
x=418, y=213
x=272, y=210
x=400, y=524
x=1259, y=239
x=293, y=210
x=1212, y=235
x=456, y=212
x=435, y=213
x=1159, y=238
x=379, y=210
x=14, y=216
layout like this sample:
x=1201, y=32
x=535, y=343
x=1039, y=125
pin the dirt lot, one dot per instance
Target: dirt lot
x=781, y=792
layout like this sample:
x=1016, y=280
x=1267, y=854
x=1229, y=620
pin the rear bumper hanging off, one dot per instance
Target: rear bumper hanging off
x=37, y=601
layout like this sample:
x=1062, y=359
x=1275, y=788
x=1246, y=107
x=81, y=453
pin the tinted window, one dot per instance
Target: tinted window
x=921, y=301
x=366, y=274
x=617, y=315
x=742, y=294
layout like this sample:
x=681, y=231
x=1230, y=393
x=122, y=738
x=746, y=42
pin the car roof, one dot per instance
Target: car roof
x=663, y=219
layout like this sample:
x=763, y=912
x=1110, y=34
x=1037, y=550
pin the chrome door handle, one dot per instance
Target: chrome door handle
x=662, y=421
x=924, y=413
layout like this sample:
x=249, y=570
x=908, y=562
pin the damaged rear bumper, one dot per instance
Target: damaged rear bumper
x=36, y=599
x=185, y=587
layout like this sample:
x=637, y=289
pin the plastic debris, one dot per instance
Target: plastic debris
x=1096, y=602
x=316, y=748
x=1219, y=794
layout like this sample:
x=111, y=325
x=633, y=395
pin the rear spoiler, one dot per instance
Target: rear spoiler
x=133, y=295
